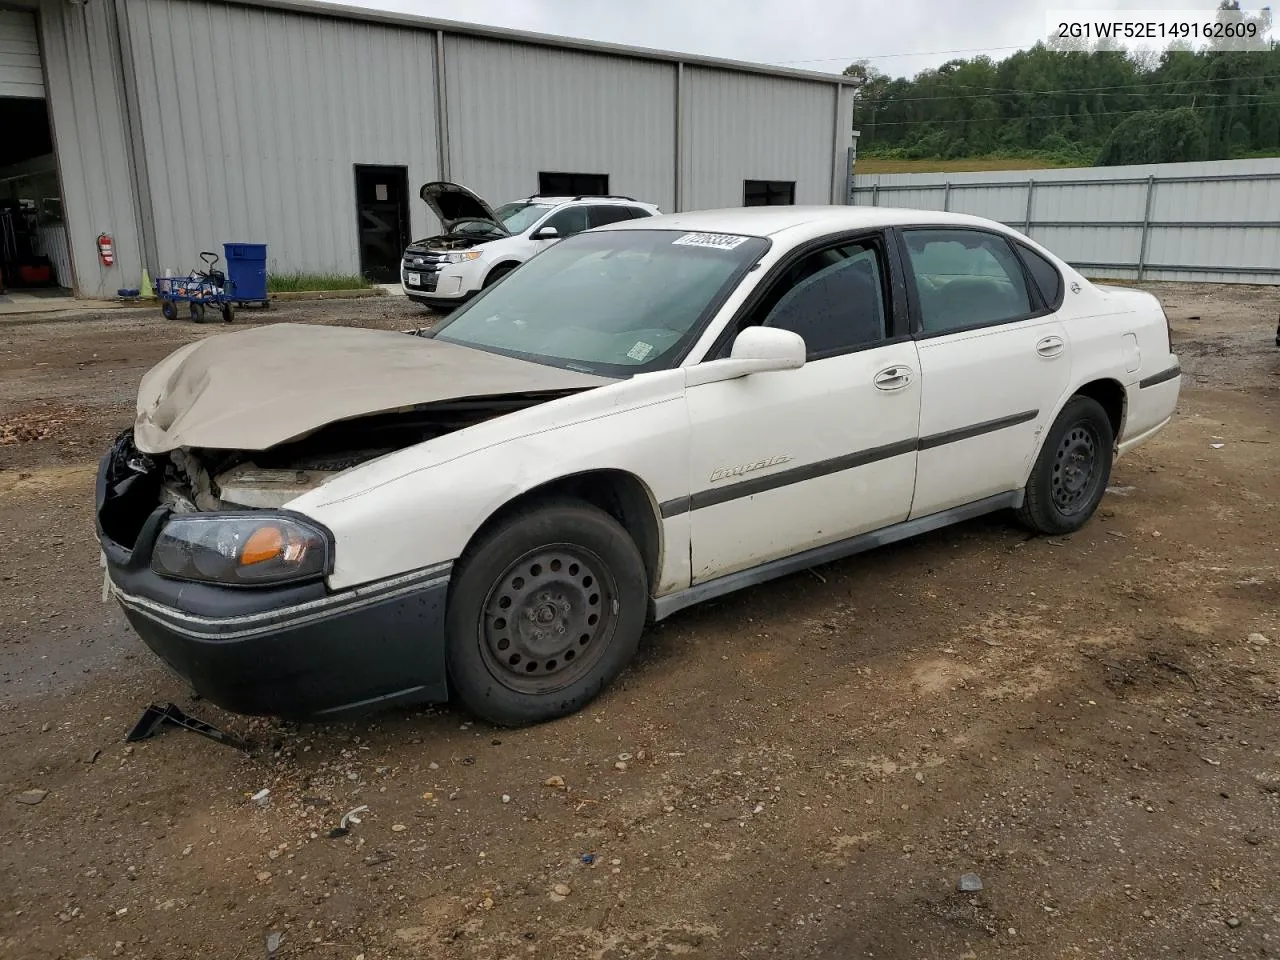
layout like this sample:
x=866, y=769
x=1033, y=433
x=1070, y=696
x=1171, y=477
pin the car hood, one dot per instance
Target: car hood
x=453, y=204
x=255, y=389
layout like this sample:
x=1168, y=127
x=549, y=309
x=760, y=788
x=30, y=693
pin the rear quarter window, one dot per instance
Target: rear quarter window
x=1045, y=274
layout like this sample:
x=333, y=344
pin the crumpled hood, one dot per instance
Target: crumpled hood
x=257, y=388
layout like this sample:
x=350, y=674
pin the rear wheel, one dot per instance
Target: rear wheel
x=545, y=611
x=169, y=310
x=198, y=313
x=1071, y=473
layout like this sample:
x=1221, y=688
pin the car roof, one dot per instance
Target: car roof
x=559, y=201
x=802, y=221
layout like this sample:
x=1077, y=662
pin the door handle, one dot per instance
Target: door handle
x=894, y=378
x=1050, y=346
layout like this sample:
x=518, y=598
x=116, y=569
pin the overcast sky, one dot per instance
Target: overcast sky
x=900, y=37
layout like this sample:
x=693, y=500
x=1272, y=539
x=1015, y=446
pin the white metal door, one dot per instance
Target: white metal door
x=20, y=71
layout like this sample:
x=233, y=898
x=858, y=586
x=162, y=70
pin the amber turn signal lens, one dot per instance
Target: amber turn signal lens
x=265, y=543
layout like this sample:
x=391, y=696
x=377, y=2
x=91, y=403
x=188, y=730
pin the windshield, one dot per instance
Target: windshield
x=613, y=302
x=519, y=217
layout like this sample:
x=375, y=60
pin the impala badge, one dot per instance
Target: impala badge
x=724, y=473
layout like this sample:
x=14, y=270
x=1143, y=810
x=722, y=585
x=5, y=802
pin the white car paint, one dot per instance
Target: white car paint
x=422, y=505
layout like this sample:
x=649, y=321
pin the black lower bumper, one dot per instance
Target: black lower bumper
x=338, y=654
x=298, y=651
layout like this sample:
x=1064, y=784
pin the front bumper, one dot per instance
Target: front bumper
x=300, y=652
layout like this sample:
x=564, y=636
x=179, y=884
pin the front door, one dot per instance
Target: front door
x=790, y=460
x=382, y=220
x=994, y=360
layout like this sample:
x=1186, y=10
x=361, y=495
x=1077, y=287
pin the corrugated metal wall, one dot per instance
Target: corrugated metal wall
x=191, y=123
x=515, y=110
x=20, y=73
x=252, y=122
x=1213, y=222
x=86, y=104
x=740, y=126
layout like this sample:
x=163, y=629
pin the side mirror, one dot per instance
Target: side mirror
x=546, y=233
x=755, y=350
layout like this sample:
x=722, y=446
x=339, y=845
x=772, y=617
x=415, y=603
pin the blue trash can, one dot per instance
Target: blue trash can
x=247, y=271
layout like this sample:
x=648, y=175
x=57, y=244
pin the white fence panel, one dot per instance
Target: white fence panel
x=1214, y=222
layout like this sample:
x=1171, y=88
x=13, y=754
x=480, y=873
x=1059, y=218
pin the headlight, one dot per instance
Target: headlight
x=241, y=550
x=462, y=257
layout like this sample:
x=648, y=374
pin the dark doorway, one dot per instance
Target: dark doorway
x=33, y=238
x=382, y=218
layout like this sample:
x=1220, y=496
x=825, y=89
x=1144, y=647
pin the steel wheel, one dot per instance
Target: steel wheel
x=1075, y=469
x=547, y=618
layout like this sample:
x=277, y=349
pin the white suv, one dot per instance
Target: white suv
x=480, y=245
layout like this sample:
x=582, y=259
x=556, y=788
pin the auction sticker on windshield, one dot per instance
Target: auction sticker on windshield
x=720, y=241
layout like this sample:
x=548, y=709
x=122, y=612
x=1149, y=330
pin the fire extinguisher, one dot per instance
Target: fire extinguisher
x=106, y=249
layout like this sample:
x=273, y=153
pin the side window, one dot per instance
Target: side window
x=966, y=278
x=612, y=213
x=833, y=298
x=638, y=212
x=568, y=221
x=1045, y=274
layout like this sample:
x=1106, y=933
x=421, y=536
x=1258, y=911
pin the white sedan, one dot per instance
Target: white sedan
x=309, y=521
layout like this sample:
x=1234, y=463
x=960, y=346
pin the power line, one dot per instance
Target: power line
x=1123, y=89
x=1047, y=116
x=938, y=53
x=891, y=56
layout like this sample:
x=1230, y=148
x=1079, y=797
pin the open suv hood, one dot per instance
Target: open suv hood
x=266, y=386
x=454, y=204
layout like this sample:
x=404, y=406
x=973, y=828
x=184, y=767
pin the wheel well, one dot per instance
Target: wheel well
x=616, y=492
x=1111, y=396
x=506, y=266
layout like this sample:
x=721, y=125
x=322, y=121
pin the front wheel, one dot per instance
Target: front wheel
x=546, y=611
x=1071, y=473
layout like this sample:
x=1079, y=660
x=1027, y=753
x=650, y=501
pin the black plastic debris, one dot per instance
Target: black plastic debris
x=157, y=715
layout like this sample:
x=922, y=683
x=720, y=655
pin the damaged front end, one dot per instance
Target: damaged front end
x=132, y=485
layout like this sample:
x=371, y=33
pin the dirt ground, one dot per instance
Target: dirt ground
x=802, y=770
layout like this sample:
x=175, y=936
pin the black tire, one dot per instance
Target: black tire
x=228, y=313
x=198, y=312
x=576, y=585
x=1072, y=470
x=497, y=273
x=169, y=309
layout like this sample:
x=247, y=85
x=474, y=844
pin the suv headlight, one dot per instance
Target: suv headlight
x=462, y=257
x=241, y=549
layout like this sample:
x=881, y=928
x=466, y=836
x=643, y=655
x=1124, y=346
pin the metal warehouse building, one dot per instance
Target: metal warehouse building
x=176, y=125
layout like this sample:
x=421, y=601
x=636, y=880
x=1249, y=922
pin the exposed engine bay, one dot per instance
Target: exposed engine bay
x=448, y=241
x=189, y=480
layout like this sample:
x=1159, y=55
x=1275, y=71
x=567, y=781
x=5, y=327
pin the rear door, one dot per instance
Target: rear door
x=790, y=460
x=994, y=361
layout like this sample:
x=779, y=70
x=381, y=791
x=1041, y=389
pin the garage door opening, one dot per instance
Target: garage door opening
x=34, y=265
